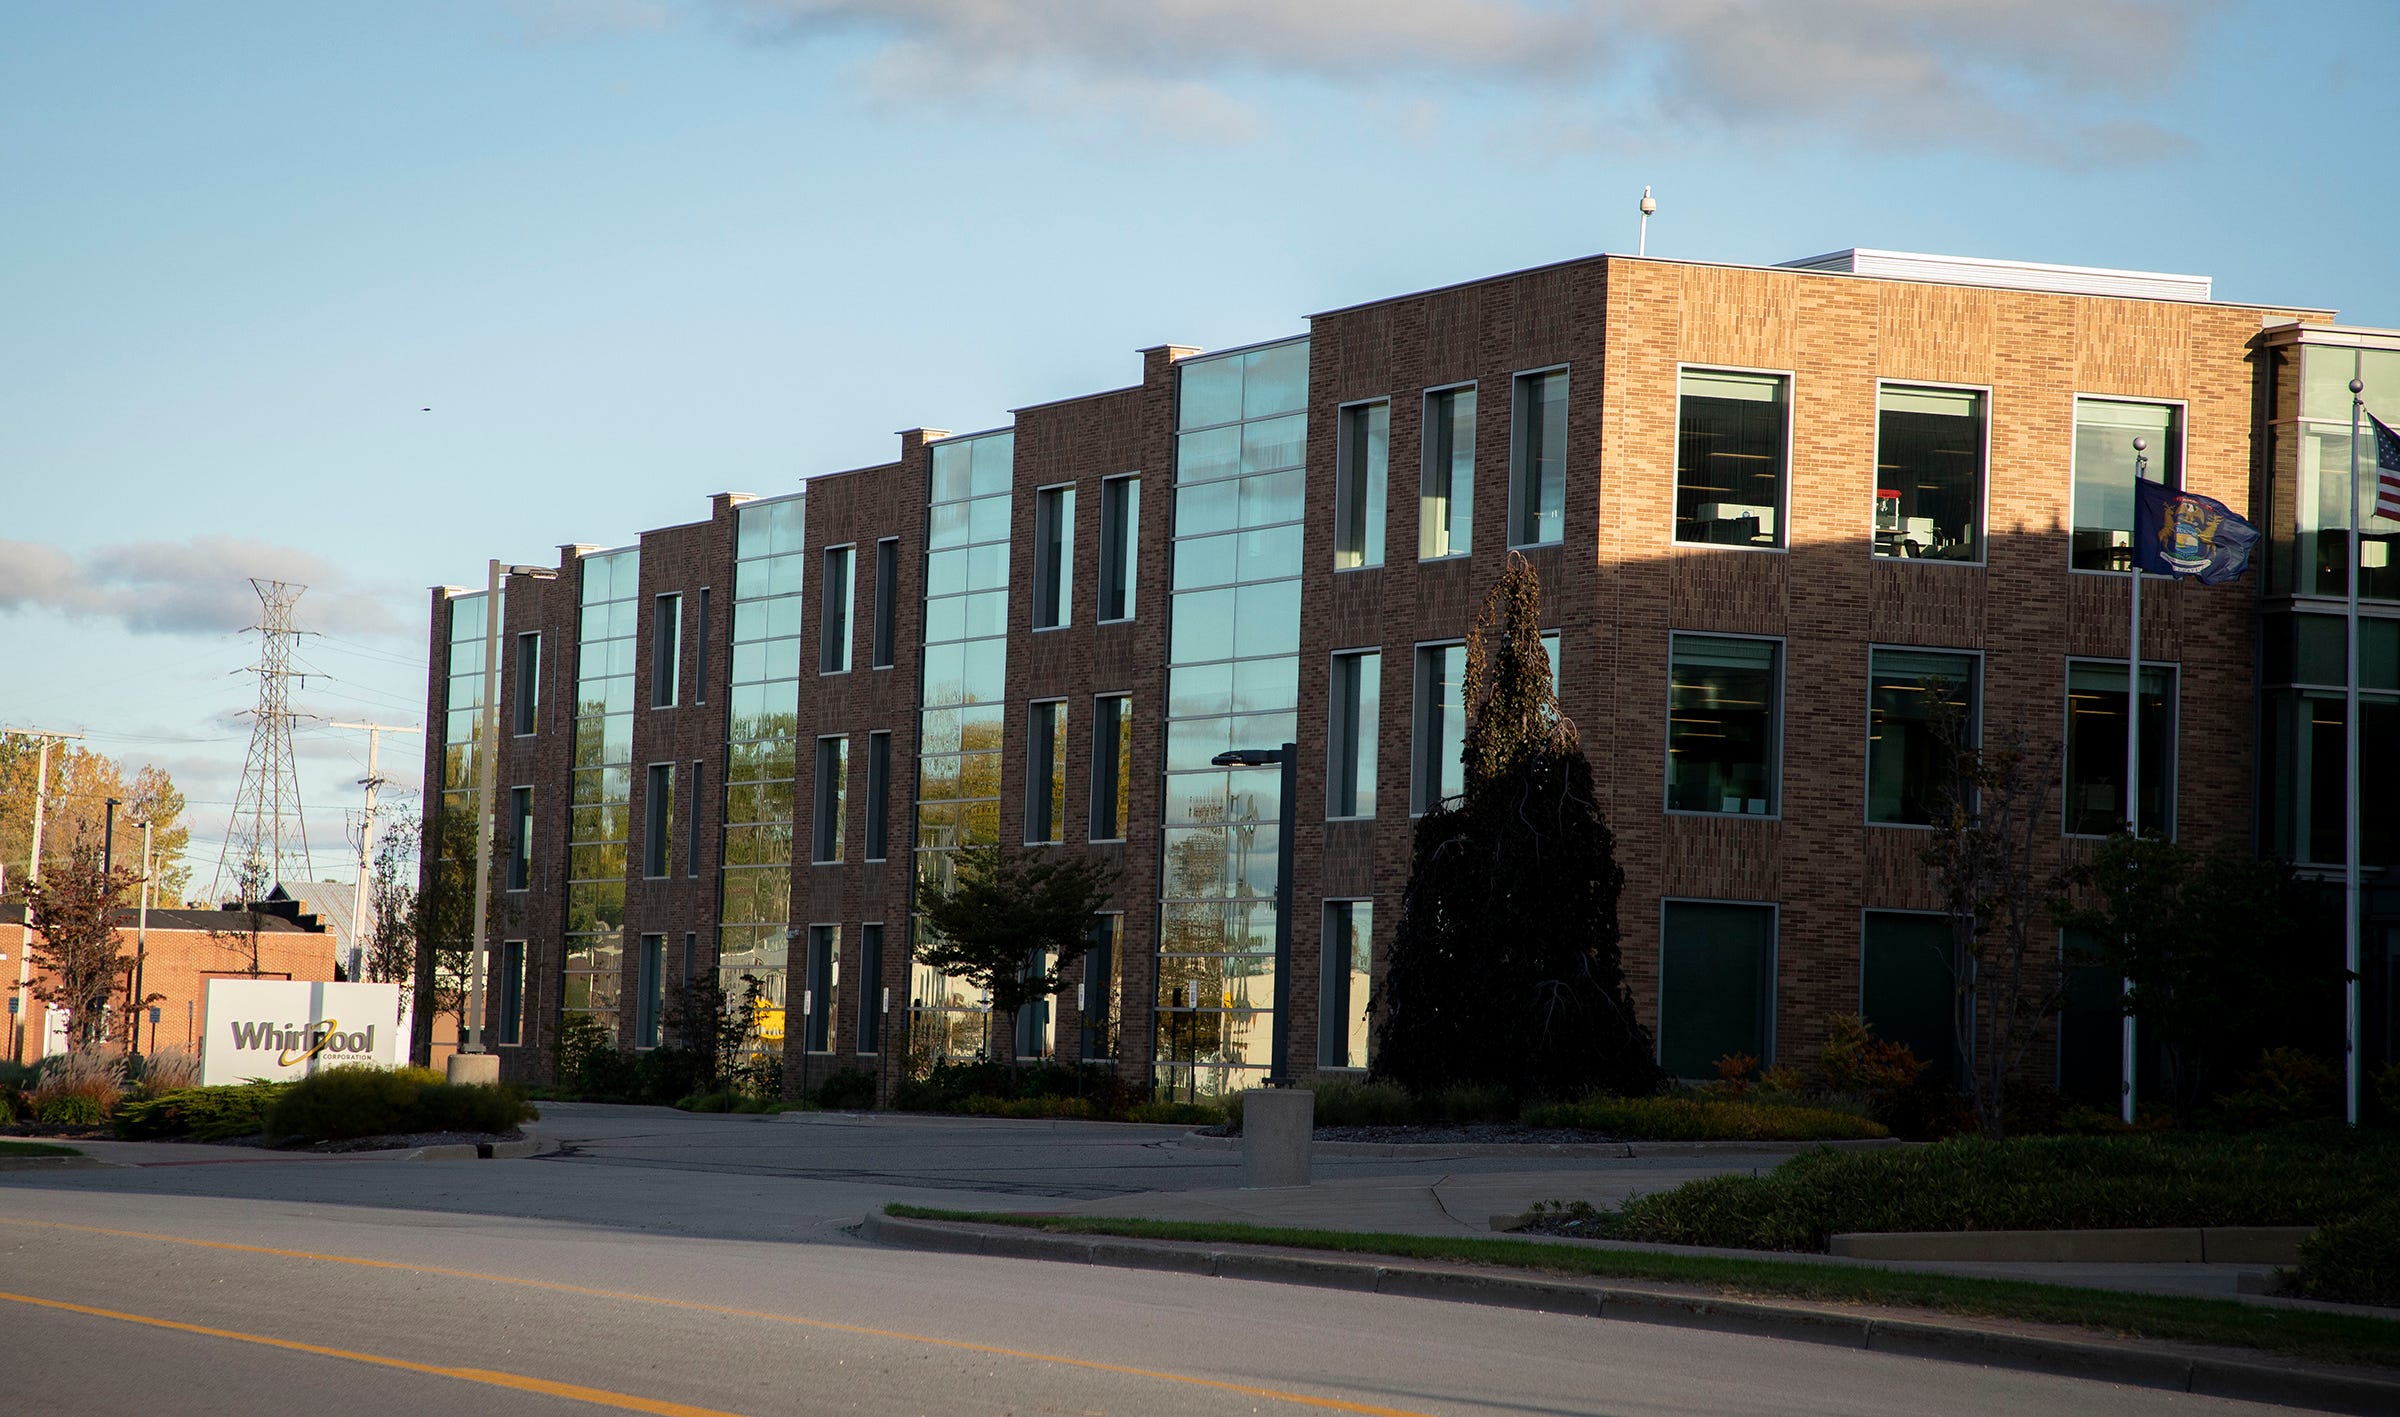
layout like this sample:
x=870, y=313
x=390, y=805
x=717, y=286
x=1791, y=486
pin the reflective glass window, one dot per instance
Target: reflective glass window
x=1538, y=471
x=1929, y=473
x=1363, y=458
x=2096, y=747
x=1440, y=724
x=1723, y=706
x=1908, y=692
x=1716, y=985
x=2105, y=467
x=1346, y=978
x=1357, y=692
x=1446, y=499
x=1729, y=458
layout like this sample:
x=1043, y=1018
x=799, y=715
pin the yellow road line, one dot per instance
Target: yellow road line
x=1327, y=1404
x=517, y=1381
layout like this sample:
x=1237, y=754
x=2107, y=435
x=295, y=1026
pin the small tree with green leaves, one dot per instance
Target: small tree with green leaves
x=1010, y=922
x=1506, y=969
x=74, y=912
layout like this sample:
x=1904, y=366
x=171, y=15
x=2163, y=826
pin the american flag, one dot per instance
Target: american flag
x=2387, y=469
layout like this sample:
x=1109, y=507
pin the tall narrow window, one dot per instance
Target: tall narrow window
x=1363, y=459
x=658, y=820
x=691, y=836
x=1730, y=434
x=870, y=988
x=833, y=645
x=1723, y=699
x=666, y=649
x=700, y=651
x=1099, y=999
x=1907, y=987
x=2096, y=748
x=833, y=790
x=512, y=993
x=1120, y=544
x=1345, y=983
x=2105, y=466
x=1357, y=694
x=1037, y=1025
x=529, y=683
x=1929, y=474
x=887, y=601
x=1046, y=774
x=1439, y=772
x=1053, y=557
x=1909, y=692
x=824, y=972
x=1716, y=985
x=1538, y=460
x=1446, y=497
x=651, y=995
x=1112, y=765
x=520, y=845
x=879, y=791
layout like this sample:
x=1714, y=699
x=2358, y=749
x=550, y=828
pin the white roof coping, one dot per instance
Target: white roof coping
x=2012, y=275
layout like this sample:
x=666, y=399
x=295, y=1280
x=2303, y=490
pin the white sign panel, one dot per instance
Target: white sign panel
x=278, y=1029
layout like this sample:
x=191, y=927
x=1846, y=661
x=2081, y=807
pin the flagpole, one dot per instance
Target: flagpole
x=2350, y=804
x=2133, y=741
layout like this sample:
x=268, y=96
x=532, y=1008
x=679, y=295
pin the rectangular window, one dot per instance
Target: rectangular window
x=2106, y=463
x=1724, y=701
x=1907, y=990
x=1112, y=766
x=2096, y=748
x=658, y=820
x=1357, y=695
x=833, y=792
x=1099, y=998
x=1037, y=1025
x=650, y=1001
x=520, y=845
x=824, y=972
x=1446, y=494
x=1716, y=985
x=879, y=790
x=1909, y=691
x=1046, y=774
x=1537, y=477
x=700, y=651
x=1053, y=557
x=1730, y=440
x=691, y=838
x=1120, y=544
x=833, y=643
x=1929, y=473
x=512, y=993
x=1362, y=457
x=1438, y=769
x=870, y=988
x=666, y=649
x=887, y=601
x=529, y=683
x=1342, y=999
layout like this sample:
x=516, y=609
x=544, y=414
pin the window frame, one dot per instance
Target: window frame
x=1774, y=997
x=1774, y=812
x=1865, y=912
x=1418, y=805
x=2183, y=451
x=1425, y=462
x=2172, y=830
x=1783, y=490
x=820, y=820
x=526, y=721
x=509, y=1029
x=819, y=1013
x=870, y=1022
x=826, y=610
x=1369, y=736
x=666, y=650
x=519, y=876
x=692, y=792
x=1124, y=728
x=1516, y=450
x=1059, y=604
x=1120, y=561
x=1056, y=771
x=1325, y=1012
x=1346, y=445
x=1983, y=513
x=883, y=647
x=700, y=649
x=650, y=992
x=1866, y=777
x=658, y=822
x=878, y=844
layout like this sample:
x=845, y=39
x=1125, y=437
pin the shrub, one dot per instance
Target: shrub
x=340, y=1103
x=1364, y=1104
x=201, y=1113
x=94, y=1074
x=2287, y=1086
x=985, y=1105
x=1695, y=1119
x=170, y=1069
x=2354, y=1261
x=71, y=1109
x=849, y=1090
x=1181, y=1114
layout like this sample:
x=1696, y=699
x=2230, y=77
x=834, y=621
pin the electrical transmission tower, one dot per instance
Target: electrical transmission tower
x=267, y=841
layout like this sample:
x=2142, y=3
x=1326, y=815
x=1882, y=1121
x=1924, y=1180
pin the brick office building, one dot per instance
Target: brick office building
x=1775, y=510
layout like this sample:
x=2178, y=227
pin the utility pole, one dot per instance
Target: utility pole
x=362, y=925
x=33, y=877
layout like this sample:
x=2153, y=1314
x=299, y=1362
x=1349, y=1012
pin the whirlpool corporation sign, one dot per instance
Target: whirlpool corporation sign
x=278, y=1029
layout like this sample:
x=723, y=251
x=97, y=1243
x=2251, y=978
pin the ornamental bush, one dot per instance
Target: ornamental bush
x=201, y=1113
x=2354, y=1261
x=341, y=1103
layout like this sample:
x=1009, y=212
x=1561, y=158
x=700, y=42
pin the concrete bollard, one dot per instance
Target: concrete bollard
x=475, y=1067
x=1277, y=1123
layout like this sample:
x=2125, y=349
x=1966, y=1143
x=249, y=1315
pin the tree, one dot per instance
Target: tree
x=2217, y=947
x=391, y=951
x=74, y=907
x=1992, y=815
x=81, y=782
x=1010, y=922
x=441, y=926
x=1505, y=967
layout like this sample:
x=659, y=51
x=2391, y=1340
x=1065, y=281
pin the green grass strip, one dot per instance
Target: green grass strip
x=2304, y=1333
x=36, y=1148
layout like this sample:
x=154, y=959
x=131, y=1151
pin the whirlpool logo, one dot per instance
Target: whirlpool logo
x=295, y=1044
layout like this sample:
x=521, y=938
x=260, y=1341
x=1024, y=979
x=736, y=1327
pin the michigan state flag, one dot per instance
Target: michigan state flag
x=2186, y=534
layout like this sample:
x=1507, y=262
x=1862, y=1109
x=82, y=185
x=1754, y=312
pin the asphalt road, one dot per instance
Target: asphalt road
x=667, y=1265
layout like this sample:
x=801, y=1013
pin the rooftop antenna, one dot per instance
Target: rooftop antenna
x=1648, y=206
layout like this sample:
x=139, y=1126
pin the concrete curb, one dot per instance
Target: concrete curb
x=2319, y=1389
x=1613, y=1150
x=77, y=1162
x=2233, y=1244
x=481, y=1151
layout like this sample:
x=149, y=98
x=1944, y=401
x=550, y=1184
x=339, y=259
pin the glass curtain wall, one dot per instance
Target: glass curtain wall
x=1233, y=681
x=963, y=698
x=462, y=736
x=2309, y=505
x=2305, y=757
x=754, y=885
x=601, y=823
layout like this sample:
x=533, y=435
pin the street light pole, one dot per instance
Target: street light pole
x=1279, y=1050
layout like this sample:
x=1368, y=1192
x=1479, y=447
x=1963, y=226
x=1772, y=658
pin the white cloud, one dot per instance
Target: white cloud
x=199, y=586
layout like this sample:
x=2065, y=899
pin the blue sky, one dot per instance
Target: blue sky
x=361, y=295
